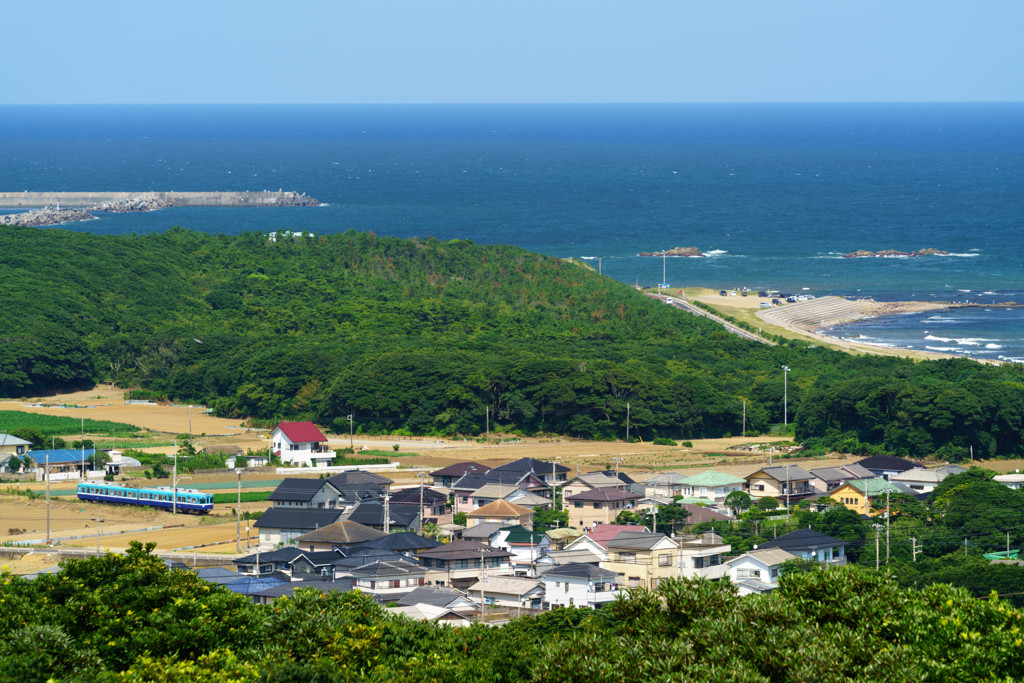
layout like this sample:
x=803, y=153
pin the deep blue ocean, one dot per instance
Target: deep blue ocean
x=775, y=193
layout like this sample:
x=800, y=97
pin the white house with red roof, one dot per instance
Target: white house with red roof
x=300, y=443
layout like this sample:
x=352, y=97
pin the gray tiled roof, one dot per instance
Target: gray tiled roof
x=581, y=571
x=430, y=595
x=802, y=539
x=298, y=490
x=285, y=518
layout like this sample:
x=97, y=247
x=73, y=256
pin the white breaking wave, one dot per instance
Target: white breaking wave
x=715, y=252
x=964, y=255
x=993, y=346
x=932, y=337
x=942, y=348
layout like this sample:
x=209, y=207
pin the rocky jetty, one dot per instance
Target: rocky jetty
x=140, y=202
x=893, y=253
x=675, y=251
x=38, y=218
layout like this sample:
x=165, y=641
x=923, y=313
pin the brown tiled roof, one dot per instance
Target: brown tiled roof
x=500, y=508
x=462, y=550
x=605, y=494
x=341, y=532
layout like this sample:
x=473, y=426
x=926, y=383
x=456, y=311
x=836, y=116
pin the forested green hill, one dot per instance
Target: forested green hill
x=424, y=336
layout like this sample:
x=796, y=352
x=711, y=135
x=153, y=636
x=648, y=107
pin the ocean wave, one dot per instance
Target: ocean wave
x=932, y=337
x=859, y=340
x=993, y=346
x=946, y=349
x=941, y=319
x=964, y=255
x=715, y=252
x=967, y=291
x=1011, y=359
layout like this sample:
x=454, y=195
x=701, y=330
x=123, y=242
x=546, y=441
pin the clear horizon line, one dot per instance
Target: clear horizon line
x=506, y=103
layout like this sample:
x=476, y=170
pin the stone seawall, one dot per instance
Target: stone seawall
x=142, y=201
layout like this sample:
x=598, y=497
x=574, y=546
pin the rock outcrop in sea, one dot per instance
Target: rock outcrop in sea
x=893, y=253
x=675, y=251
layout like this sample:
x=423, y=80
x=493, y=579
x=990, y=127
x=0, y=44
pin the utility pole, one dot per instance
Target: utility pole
x=351, y=444
x=965, y=546
x=554, y=486
x=174, y=482
x=616, y=461
x=627, y=422
x=913, y=547
x=1007, y=545
x=744, y=418
x=789, y=485
x=887, y=527
x=785, y=395
x=387, y=513
x=876, y=547
x=238, y=513
x=483, y=580
x=47, y=468
x=83, y=448
x=421, y=476
x=487, y=417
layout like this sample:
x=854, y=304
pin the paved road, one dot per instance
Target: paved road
x=690, y=308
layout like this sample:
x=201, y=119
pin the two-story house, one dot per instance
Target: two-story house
x=305, y=493
x=783, y=483
x=640, y=559
x=712, y=485
x=300, y=443
x=460, y=563
x=592, y=481
x=446, y=476
x=923, y=480
x=758, y=570
x=579, y=585
x=810, y=545
x=503, y=512
x=598, y=506
x=859, y=495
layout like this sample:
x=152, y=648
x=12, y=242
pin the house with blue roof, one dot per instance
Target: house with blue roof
x=63, y=461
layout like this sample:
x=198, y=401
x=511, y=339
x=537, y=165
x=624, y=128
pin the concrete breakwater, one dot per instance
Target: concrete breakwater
x=151, y=201
x=37, y=218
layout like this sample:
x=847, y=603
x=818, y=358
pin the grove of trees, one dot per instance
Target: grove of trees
x=429, y=337
x=128, y=618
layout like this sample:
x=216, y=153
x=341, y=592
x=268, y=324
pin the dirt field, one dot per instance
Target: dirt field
x=22, y=519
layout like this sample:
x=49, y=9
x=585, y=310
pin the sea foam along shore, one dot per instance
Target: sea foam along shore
x=812, y=318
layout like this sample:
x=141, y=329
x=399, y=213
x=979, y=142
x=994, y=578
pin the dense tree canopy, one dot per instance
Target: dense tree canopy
x=424, y=336
x=128, y=618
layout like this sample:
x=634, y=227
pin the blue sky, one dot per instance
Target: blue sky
x=312, y=51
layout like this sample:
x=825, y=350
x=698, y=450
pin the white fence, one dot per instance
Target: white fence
x=334, y=469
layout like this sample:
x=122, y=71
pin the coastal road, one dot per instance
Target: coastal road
x=690, y=308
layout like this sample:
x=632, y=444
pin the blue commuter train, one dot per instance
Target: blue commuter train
x=188, y=500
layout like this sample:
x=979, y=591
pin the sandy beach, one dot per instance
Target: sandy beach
x=809, y=319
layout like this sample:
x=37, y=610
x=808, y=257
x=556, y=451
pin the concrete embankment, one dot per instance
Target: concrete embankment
x=143, y=201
